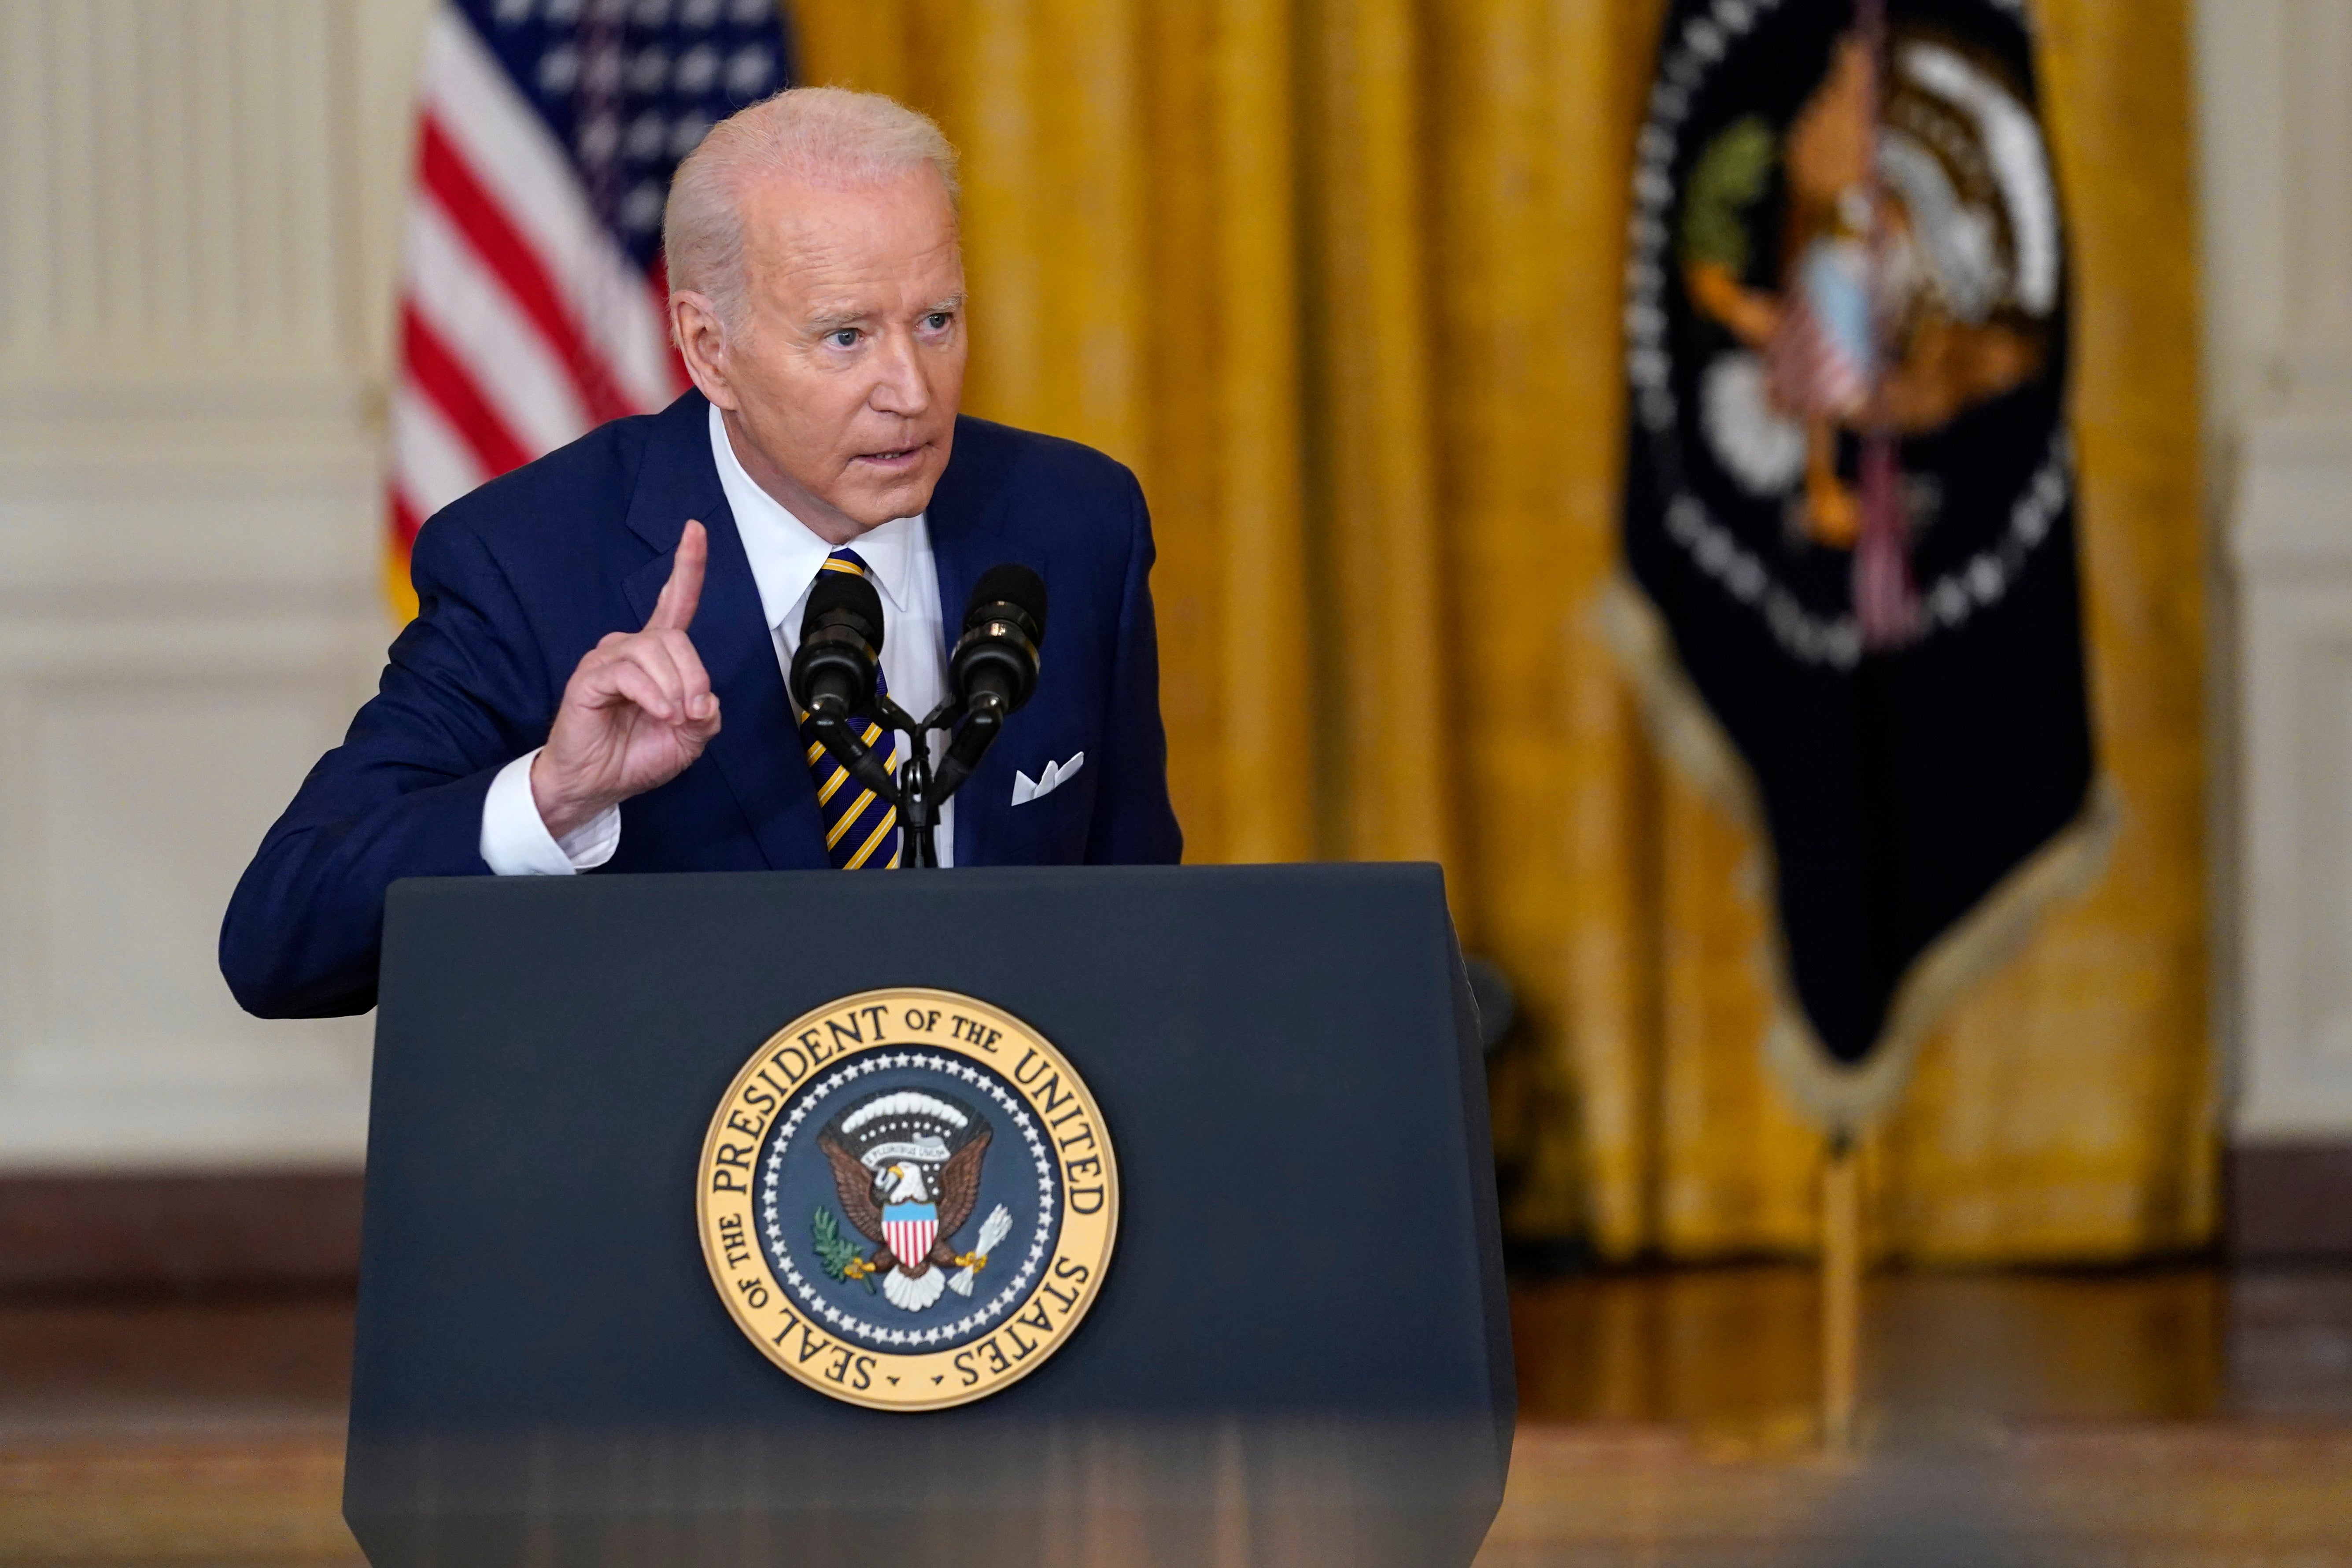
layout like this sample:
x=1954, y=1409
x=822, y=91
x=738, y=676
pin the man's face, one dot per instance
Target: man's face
x=840, y=385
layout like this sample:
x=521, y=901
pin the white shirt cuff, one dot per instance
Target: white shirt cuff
x=516, y=843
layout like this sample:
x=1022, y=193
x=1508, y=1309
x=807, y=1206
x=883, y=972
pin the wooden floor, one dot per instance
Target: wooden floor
x=2176, y=1417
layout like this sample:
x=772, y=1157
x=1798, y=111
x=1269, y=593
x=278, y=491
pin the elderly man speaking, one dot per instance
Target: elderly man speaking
x=595, y=679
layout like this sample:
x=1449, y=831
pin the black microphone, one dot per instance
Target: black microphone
x=834, y=671
x=994, y=668
x=994, y=665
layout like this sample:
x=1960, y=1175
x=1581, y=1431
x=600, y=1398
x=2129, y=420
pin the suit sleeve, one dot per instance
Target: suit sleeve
x=1134, y=825
x=461, y=696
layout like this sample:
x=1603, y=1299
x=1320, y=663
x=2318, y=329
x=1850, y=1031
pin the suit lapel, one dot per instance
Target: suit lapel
x=758, y=744
x=967, y=525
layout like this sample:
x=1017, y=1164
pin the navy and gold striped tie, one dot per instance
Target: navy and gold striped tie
x=861, y=829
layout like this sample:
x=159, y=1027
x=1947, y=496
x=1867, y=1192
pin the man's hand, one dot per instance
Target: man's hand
x=637, y=711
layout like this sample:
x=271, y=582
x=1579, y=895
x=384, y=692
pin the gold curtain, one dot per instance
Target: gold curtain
x=1339, y=278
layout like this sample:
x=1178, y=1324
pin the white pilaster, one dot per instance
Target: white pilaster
x=2277, y=120
x=194, y=277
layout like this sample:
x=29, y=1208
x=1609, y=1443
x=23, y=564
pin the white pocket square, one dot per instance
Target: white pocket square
x=1026, y=789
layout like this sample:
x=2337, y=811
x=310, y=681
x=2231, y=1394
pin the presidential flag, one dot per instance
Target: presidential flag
x=1849, y=515
x=531, y=302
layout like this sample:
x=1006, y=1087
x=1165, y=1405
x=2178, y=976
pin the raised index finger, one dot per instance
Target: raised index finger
x=674, y=611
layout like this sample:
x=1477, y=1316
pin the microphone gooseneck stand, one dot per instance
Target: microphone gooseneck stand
x=917, y=791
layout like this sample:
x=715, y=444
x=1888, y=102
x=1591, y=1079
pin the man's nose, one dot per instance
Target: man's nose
x=900, y=386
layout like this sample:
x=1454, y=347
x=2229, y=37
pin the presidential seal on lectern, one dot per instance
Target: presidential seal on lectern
x=907, y=1199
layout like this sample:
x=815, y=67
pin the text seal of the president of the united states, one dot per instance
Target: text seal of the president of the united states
x=907, y=1199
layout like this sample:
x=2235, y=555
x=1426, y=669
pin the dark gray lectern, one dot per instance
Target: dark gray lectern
x=1299, y=1354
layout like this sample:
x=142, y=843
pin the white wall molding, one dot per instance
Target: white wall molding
x=2293, y=554
x=2276, y=126
x=196, y=276
x=2292, y=507
x=145, y=517
x=149, y=753
x=252, y=408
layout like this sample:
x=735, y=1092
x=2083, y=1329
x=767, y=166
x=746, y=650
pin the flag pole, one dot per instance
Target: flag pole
x=1842, y=1172
x=1841, y=1292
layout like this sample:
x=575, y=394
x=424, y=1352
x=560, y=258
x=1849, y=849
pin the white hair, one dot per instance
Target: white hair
x=827, y=136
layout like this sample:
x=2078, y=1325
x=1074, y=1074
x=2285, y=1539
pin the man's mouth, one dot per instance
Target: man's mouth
x=902, y=457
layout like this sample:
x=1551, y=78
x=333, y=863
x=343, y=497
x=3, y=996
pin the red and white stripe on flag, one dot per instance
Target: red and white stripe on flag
x=523, y=321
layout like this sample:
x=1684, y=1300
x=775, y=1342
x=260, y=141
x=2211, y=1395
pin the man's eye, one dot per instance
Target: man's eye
x=843, y=336
x=938, y=320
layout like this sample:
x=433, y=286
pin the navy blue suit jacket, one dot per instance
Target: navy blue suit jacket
x=519, y=579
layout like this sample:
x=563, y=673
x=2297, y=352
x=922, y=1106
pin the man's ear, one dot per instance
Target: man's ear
x=701, y=339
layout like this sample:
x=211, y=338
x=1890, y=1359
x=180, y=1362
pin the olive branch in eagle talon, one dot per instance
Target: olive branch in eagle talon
x=841, y=1260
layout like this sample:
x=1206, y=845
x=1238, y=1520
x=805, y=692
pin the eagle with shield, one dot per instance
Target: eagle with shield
x=906, y=1167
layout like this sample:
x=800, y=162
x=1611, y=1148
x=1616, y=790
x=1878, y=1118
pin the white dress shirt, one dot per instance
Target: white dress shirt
x=785, y=559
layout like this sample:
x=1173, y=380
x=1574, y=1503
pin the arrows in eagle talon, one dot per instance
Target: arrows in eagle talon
x=999, y=1227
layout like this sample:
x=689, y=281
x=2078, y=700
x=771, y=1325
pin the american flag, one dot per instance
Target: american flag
x=531, y=304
